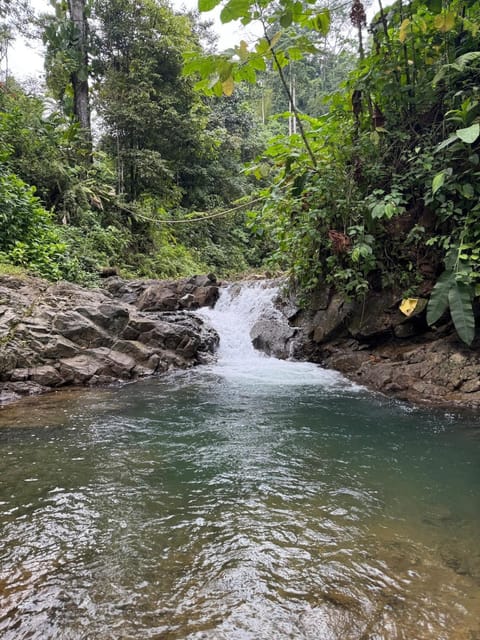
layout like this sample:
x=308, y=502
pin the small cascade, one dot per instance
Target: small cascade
x=239, y=307
x=237, y=310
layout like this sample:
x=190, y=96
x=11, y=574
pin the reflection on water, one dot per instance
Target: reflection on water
x=248, y=500
x=238, y=507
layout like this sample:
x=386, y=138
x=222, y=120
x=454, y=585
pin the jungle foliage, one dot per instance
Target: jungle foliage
x=383, y=189
x=161, y=153
x=359, y=148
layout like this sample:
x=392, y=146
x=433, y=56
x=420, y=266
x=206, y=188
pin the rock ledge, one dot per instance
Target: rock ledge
x=56, y=335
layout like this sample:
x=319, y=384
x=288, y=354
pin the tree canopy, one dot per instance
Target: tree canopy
x=361, y=143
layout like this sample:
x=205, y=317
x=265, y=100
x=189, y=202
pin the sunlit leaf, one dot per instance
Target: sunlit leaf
x=262, y=46
x=258, y=63
x=243, y=50
x=469, y=134
x=445, y=21
x=228, y=86
x=438, y=181
x=207, y=5
x=471, y=25
x=218, y=89
x=275, y=38
x=294, y=53
x=402, y=35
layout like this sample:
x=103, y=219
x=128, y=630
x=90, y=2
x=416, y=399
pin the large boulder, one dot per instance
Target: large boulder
x=165, y=295
x=63, y=334
x=273, y=335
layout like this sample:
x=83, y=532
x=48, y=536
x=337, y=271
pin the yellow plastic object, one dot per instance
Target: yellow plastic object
x=409, y=306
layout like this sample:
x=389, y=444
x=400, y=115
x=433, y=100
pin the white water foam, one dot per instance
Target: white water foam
x=237, y=310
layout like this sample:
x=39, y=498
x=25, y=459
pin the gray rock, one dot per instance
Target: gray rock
x=158, y=298
x=273, y=335
x=330, y=321
x=165, y=295
x=58, y=335
x=373, y=343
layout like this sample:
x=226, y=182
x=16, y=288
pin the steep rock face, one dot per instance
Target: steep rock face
x=57, y=335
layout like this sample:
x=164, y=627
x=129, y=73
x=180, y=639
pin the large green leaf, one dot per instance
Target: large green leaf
x=207, y=5
x=470, y=56
x=235, y=9
x=469, y=134
x=446, y=143
x=321, y=22
x=438, y=303
x=286, y=19
x=461, y=310
x=438, y=181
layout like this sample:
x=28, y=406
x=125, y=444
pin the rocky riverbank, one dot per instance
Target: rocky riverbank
x=376, y=345
x=59, y=335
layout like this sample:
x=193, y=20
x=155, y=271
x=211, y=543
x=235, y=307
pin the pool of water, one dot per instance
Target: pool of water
x=199, y=506
x=257, y=501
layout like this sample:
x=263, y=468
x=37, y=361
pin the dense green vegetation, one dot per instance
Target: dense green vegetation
x=360, y=148
x=383, y=189
x=161, y=154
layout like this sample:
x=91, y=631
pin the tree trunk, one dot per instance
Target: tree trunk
x=79, y=77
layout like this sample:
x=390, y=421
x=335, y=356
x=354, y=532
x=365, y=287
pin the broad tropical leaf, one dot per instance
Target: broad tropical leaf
x=464, y=59
x=438, y=303
x=469, y=134
x=461, y=310
x=207, y=5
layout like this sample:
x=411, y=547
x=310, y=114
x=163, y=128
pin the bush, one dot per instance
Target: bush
x=28, y=236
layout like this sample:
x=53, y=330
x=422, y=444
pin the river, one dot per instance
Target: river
x=250, y=499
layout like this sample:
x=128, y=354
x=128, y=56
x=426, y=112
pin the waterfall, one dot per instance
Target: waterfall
x=238, y=308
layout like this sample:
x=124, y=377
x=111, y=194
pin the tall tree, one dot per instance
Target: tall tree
x=79, y=75
x=66, y=35
x=151, y=115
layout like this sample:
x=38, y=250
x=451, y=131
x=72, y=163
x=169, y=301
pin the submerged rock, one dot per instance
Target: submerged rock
x=57, y=335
